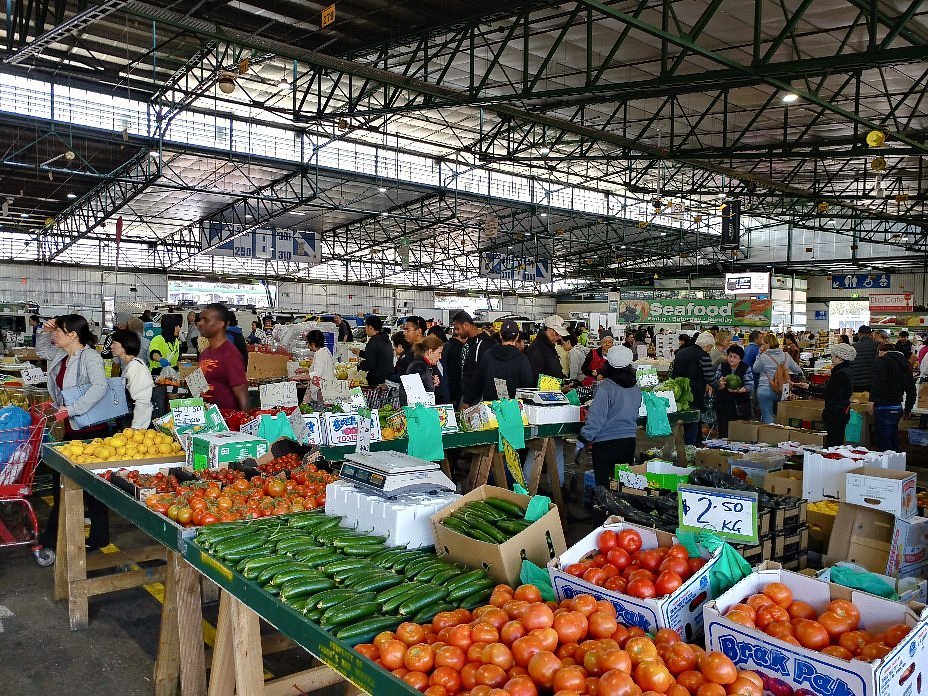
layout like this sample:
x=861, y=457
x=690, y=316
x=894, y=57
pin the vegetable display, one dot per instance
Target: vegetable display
x=492, y=520
x=680, y=386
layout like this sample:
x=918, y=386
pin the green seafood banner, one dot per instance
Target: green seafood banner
x=721, y=312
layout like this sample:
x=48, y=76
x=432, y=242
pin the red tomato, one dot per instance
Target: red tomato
x=619, y=557
x=779, y=593
x=854, y=641
x=812, y=635
x=595, y=576
x=667, y=583
x=845, y=609
x=641, y=587
x=718, y=668
x=677, y=565
x=607, y=540
x=801, y=610
x=895, y=634
x=542, y=668
x=616, y=584
x=650, y=559
x=653, y=675
x=576, y=569
x=630, y=540
x=834, y=624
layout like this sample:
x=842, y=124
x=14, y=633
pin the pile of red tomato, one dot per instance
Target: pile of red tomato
x=836, y=631
x=233, y=497
x=520, y=646
x=622, y=566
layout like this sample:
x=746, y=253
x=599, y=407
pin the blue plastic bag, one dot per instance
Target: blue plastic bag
x=14, y=431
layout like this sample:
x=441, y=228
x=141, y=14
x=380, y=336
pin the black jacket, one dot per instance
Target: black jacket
x=402, y=364
x=471, y=353
x=892, y=377
x=693, y=363
x=344, y=332
x=838, y=390
x=864, y=363
x=904, y=347
x=377, y=359
x=451, y=360
x=427, y=374
x=543, y=357
x=500, y=362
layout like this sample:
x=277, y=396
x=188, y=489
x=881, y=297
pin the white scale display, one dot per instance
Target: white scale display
x=394, y=473
x=542, y=398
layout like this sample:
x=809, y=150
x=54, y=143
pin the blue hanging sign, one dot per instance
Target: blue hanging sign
x=861, y=281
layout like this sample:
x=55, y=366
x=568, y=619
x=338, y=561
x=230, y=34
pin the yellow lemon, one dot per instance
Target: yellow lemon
x=142, y=449
x=118, y=441
x=175, y=446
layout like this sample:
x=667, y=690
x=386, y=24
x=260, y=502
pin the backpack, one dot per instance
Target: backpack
x=780, y=378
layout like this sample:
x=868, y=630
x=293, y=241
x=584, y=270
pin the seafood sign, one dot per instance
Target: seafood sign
x=721, y=312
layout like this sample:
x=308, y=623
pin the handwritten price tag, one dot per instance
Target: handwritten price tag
x=279, y=395
x=363, y=445
x=196, y=383
x=502, y=388
x=33, y=376
x=731, y=515
x=300, y=429
x=188, y=412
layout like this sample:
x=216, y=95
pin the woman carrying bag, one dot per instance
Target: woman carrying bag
x=67, y=343
x=139, y=384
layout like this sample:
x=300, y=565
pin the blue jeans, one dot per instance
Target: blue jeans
x=767, y=400
x=886, y=424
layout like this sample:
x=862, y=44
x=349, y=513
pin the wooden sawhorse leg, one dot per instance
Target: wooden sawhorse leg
x=542, y=458
x=180, y=647
x=71, y=562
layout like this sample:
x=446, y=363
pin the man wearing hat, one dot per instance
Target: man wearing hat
x=612, y=421
x=866, y=357
x=505, y=362
x=542, y=353
x=838, y=390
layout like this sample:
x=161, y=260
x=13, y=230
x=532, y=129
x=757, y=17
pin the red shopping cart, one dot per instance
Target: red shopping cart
x=20, y=452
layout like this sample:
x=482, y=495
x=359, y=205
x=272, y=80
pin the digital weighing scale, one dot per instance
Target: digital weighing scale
x=542, y=398
x=394, y=473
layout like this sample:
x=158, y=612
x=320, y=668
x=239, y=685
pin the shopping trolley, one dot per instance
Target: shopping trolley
x=20, y=452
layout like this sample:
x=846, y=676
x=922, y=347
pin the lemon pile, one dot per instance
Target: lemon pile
x=126, y=445
x=825, y=507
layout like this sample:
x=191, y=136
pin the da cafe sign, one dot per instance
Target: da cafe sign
x=883, y=302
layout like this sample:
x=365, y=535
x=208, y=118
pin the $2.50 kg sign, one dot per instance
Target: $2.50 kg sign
x=731, y=515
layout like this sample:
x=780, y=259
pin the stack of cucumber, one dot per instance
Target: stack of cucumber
x=492, y=520
x=348, y=582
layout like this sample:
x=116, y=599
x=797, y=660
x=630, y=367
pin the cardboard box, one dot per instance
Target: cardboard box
x=810, y=671
x=784, y=482
x=716, y=459
x=212, y=450
x=882, y=489
x=267, y=366
x=481, y=416
x=342, y=428
x=908, y=554
x=775, y=434
x=656, y=474
x=754, y=471
x=542, y=415
x=801, y=414
x=861, y=536
x=908, y=589
x=538, y=543
x=680, y=610
x=743, y=431
x=824, y=473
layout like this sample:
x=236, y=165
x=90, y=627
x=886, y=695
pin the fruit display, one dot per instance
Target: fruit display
x=127, y=445
x=348, y=582
x=835, y=631
x=11, y=395
x=518, y=645
x=682, y=393
x=622, y=566
x=492, y=520
x=824, y=507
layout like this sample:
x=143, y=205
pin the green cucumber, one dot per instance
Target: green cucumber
x=390, y=605
x=238, y=556
x=348, y=612
x=467, y=577
x=250, y=567
x=384, y=557
x=419, y=565
x=506, y=506
x=481, y=525
x=462, y=591
x=347, y=574
x=429, y=572
x=245, y=543
x=368, y=629
x=346, y=564
x=295, y=544
x=361, y=539
x=418, y=602
x=486, y=511
x=304, y=587
x=402, y=588
x=430, y=613
x=359, y=550
x=512, y=527
x=297, y=604
x=444, y=576
x=313, y=615
x=381, y=582
x=364, y=576
x=318, y=557
x=329, y=598
x=477, y=599
x=400, y=564
x=289, y=574
x=265, y=575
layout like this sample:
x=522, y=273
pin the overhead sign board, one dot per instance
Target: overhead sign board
x=883, y=302
x=267, y=244
x=507, y=267
x=719, y=312
x=747, y=283
x=858, y=281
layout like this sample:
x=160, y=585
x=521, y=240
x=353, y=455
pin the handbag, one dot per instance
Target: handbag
x=111, y=405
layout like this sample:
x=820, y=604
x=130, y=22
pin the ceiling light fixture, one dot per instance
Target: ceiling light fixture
x=154, y=154
x=226, y=83
x=72, y=196
x=544, y=215
x=790, y=97
x=382, y=189
x=24, y=215
x=544, y=150
x=284, y=84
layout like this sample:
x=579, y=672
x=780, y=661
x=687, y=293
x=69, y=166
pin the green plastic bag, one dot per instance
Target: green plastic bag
x=511, y=427
x=272, y=428
x=531, y=574
x=729, y=567
x=658, y=424
x=862, y=580
x=423, y=428
x=854, y=430
x=537, y=507
x=573, y=397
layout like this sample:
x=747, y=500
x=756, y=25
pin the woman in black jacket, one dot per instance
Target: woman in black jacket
x=426, y=356
x=838, y=389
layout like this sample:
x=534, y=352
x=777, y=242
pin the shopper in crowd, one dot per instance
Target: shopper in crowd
x=439, y=331
x=576, y=356
x=344, y=330
x=603, y=332
x=257, y=335
x=193, y=334
x=221, y=362
x=323, y=362
x=880, y=336
x=583, y=335
x=752, y=349
x=451, y=363
x=845, y=339
x=791, y=346
x=377, y=356
x=765, y=368
x=503, y=361
x=427, y=355
x=866, y=356
x=612, y=420
x=67, y=343
x=596, y=360
x=523, y=341
x=904, y=345
x=732, y=403
x=414, y=332
x=692, y=361
x=136, y=326
x=34, y=323
x=165, y=349
x=401, y=347
x=718, y=355
x=147, y=317
x=541, y=352
x=838, y=390
x=923, y=349
x=125, y=345
x=892, y=392
x=235, y=334
x=475, y=342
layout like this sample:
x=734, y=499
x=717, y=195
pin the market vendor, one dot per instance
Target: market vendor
x=323, y=362
x=838, y=390
x=612, y=420
x=165, y=349
x=221, y=362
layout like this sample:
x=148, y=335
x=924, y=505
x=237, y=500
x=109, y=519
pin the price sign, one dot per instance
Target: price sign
x=279, y=395
x=196, y=383
x=363, y=445
x=415, y=392
x=33, y=376
x=300, y=429
x=502, y=388
x=731, y=515
x=188, y=412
